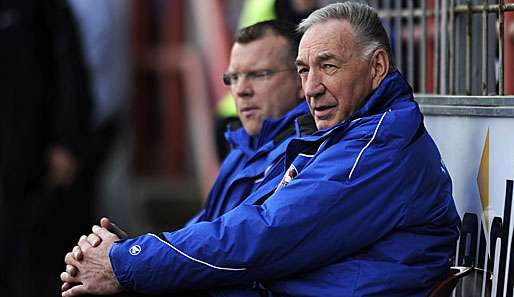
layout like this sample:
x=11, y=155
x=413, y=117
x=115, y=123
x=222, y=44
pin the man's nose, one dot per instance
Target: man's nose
x=243, y=87
x=313, y=85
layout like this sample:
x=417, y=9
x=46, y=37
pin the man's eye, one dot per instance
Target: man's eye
x=233, y=77
x=258, y=74
x=329, y=68
x=302, y=71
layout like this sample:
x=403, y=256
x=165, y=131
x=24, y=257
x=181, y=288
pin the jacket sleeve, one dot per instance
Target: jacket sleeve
x=320, y=217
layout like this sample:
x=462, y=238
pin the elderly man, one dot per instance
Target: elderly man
x=363, y=209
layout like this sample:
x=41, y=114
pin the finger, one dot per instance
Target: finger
x=65, y=277
x=103, y=233
x=75, y=291
x=83, y=243
x=65, y=286
x=70, y=260
x=81, y=239
x=112, y=227
x=72, y=270
x=77, y=253
x=105, y=222
x=93, y=239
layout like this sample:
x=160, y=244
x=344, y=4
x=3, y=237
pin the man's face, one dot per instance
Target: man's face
x=335, y=78
x=260, y=92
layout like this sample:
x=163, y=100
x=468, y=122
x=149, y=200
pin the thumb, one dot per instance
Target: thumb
x=104, y=234
x=75, y=291
x=107, y=224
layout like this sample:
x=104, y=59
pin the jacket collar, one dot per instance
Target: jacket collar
x=272, y=130
x=391, y=89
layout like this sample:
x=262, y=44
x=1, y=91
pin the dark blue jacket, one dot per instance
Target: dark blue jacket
x=363, y=209
x=244, y=167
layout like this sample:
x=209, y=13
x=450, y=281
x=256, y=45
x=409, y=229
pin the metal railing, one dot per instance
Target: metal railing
x=450, y=47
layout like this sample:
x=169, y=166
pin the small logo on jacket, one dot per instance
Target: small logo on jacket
x=290, y=174
x=135, y=250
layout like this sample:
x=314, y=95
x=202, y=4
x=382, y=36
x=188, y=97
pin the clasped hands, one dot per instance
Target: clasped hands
x=88, y=268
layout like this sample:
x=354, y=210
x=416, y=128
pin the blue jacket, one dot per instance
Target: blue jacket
x=364, y=209
x=244, y=167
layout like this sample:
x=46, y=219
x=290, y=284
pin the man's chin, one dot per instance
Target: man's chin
x=252, y=129
x=324, y=124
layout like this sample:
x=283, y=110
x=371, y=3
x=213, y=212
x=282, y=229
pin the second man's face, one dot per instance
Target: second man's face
x=259, y=90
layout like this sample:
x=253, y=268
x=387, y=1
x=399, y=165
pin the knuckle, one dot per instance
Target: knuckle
x=64, y=276
x=82, y=238
x=93, y=236
x=84, y=245
x=70, y=269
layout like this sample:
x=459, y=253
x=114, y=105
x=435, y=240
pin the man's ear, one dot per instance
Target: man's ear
x=379, y=67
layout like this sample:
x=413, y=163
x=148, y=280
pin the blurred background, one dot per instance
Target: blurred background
x=117, y=107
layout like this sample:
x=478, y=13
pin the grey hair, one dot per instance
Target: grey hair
x=367, y=27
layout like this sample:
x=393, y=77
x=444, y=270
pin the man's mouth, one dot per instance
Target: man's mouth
x=248, y=111
x=324, y=112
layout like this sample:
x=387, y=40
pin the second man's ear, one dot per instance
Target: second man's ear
x=379, y=67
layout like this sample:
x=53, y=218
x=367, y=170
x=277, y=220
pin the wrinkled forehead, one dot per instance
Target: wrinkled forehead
x=334, y=36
